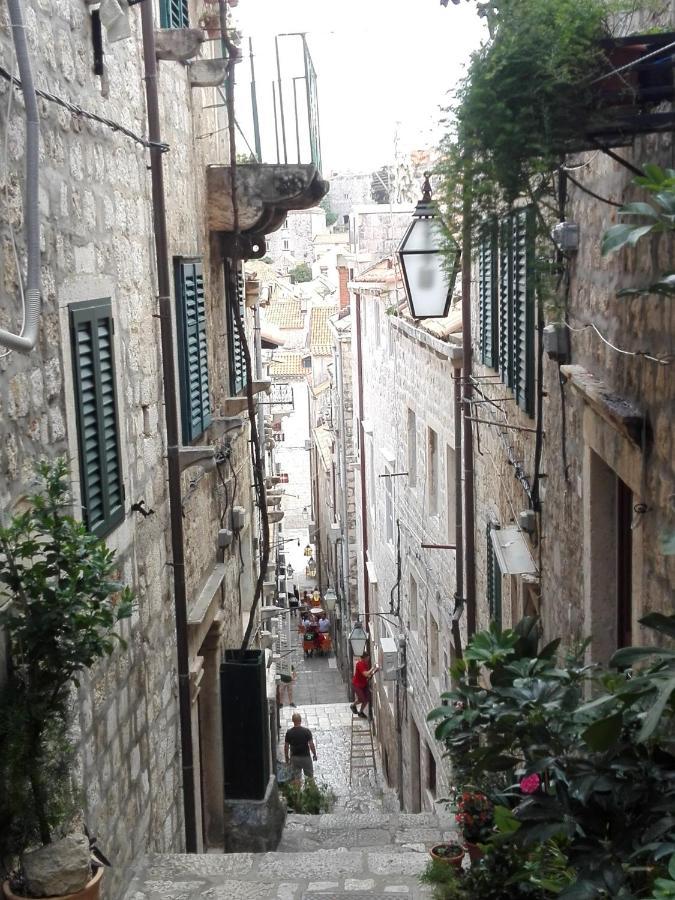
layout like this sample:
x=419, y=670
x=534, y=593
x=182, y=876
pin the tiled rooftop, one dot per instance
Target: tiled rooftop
x=288, y=364
x=286, y=314
x=319, y=340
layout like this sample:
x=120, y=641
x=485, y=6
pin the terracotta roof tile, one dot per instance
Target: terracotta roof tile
x=286, y=314
x=289, y=364
x=319, y=340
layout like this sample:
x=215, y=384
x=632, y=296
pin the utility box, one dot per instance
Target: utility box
x=388, y=658
x=238, y=518
x=557, y=342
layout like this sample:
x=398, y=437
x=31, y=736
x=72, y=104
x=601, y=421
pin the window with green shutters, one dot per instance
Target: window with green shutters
x=494, y=578
x=488, y=295
x=234, y=294
x=174, y=14
x=102, y=489
x=522, y=286
x=516, y=306
x=192, y=348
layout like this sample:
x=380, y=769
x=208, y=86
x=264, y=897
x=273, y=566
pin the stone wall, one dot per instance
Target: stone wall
x=96, y=235
x=405, y=370
x=584, y=449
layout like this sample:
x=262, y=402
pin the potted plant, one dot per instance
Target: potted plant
x=448, y=852
x=59, y=608
x=475, y=816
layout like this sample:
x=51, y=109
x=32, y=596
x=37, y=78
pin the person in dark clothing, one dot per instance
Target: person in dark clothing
x=294, y=601
x=297, y=746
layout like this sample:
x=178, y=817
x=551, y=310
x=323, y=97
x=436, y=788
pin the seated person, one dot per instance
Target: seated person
x=324, y=624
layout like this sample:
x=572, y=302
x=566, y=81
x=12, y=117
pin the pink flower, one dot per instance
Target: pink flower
x=530, y=784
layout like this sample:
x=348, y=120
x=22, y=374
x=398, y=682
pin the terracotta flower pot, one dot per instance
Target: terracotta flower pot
x=90, y=891
x=452, y=854
x=475, y=852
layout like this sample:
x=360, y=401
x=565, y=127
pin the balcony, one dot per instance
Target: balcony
x=265, y=193
x=282, y=171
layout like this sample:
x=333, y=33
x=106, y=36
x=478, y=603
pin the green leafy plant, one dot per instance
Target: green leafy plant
x=646, y=219
x=664, y=888
x=61, y=608
x=308, y=798
x=597, y=777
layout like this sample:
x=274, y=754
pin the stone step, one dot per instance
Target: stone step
x=355, y=831
x=331, y=873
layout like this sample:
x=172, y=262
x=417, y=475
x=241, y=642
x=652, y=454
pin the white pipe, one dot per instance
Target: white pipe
x=25, y=342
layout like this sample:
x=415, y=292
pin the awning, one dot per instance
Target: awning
x=513, y=554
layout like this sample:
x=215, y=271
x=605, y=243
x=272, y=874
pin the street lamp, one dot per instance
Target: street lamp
x=308, y=550
x=428, y=284
x=330, y=599
x=358, y=639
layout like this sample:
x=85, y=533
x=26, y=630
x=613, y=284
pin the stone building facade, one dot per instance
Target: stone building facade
x=294, y=241
x=595, y=543
x=97, y=252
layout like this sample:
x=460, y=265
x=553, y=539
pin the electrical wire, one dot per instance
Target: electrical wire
x=661, y=360
x=85, y=114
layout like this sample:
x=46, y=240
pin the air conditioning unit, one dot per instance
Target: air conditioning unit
x=388, y=658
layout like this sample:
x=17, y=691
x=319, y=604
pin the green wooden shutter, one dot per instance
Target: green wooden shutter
x=487, y=295
x=174, y=14
x=494, y=578
x=234, y=292
x=505, y=305
x=97, y=419
x=522, y=249
x=192, y=348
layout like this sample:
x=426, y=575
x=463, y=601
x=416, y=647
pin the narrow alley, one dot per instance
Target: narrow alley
x=354, y=318
x=364, y=848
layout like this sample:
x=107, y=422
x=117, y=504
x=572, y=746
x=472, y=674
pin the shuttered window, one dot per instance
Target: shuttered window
x=102, y=489
x=234, y=293
x=488, y=295
x=522, y=253
x=494, y=578
x=173, y=13
x=192, y=348
x=517, y=306
x=505, y=305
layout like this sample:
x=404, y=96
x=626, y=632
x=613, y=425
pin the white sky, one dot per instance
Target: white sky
x=383, y=67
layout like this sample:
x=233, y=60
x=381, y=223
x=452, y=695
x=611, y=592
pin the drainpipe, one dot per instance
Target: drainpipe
x=362, y=467
x=459, y=557
x=342, y=457
x=172, y=431
x=467, y=372
x=257, y=340
x=25, y=342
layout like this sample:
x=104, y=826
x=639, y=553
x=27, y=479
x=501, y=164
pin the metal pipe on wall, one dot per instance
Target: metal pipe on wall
x=172, y=426
x=459, y=555
x=467, y=367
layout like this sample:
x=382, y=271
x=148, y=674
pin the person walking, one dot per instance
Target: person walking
x=297, y=746
x=286, y=687
x=361, y=684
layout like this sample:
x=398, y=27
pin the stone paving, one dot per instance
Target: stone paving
x=365, y=848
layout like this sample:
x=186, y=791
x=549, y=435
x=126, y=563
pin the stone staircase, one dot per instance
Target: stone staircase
x=342, y=855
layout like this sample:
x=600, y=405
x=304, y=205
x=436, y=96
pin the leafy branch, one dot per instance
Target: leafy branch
x=653, y=218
